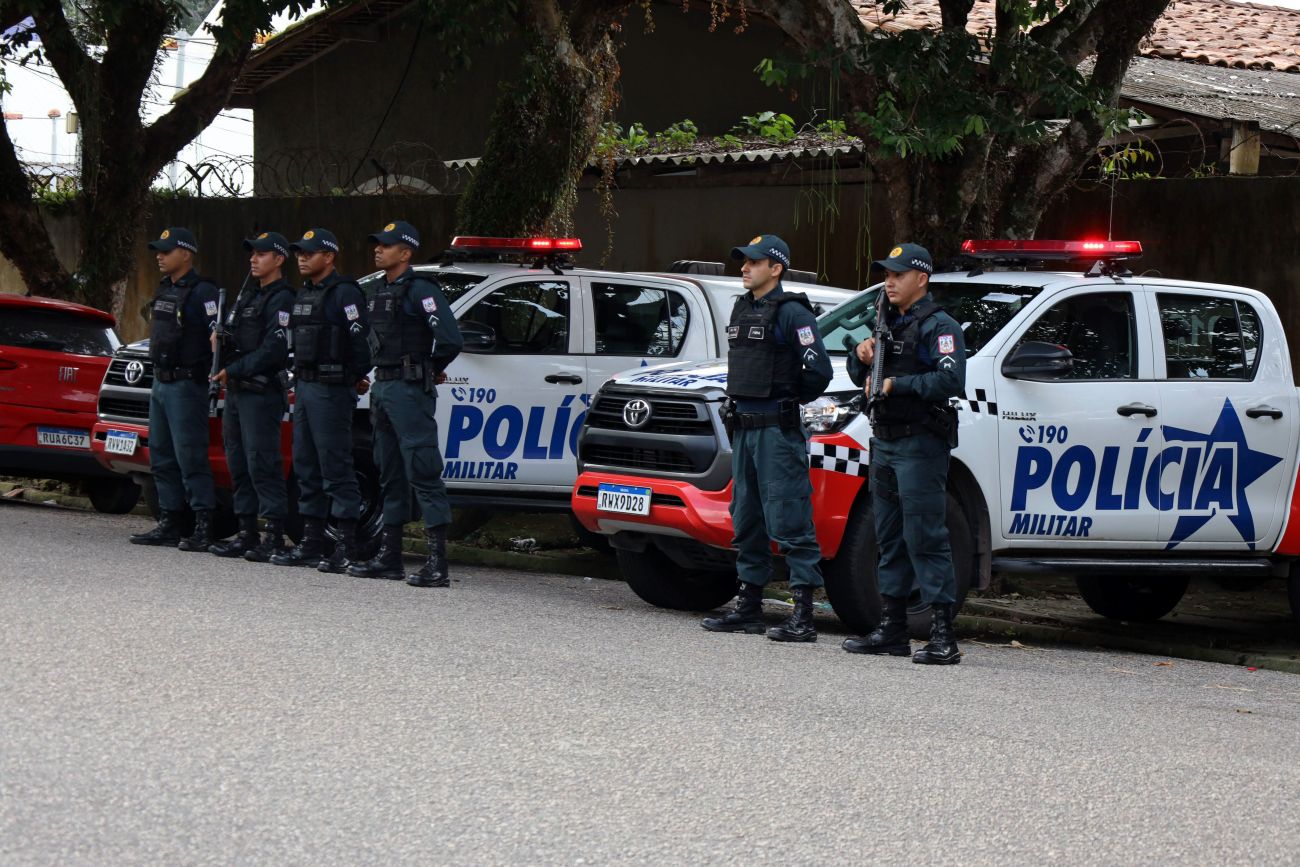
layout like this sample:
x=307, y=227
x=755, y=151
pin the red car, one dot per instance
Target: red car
x=53, y=355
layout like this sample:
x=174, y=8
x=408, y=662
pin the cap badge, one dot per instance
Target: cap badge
x=896, y=252
x=165, y=235
x=390, y=227
x=308, y=235
x=757, y=240
x=261, y=236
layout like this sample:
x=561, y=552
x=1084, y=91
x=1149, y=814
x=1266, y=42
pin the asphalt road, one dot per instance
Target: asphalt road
x=163, y=707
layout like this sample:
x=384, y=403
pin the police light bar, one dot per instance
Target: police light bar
x=1051, y=249
x=516, y=245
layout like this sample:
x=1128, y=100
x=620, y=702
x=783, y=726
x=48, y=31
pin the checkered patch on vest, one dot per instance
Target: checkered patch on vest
x=838, y=459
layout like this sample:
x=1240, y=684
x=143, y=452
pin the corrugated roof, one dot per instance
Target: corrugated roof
x=688, y=159
x=1211, y=32
x=1271, y=99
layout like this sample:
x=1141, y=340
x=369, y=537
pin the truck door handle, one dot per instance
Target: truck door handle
x=1261, y=411
x=570, y=378
x=1136, y=409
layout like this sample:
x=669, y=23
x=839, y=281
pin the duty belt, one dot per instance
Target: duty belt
x=173, y=374
x=757, y=419
x=330, y=374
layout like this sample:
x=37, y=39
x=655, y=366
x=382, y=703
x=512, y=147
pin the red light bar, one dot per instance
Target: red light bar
x=515, y=245
x=1052, y=248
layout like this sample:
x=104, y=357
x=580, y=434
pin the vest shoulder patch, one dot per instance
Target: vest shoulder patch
x=947, y=345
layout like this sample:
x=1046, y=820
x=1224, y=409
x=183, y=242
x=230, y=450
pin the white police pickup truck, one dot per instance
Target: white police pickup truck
x=540, y=336
x=1129, y=431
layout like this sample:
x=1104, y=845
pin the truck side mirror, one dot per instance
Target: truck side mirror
x=1036, y=360
x=478, y=337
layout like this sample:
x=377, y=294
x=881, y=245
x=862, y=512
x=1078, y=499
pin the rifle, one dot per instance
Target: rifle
x=877, y=381
x=214, y=387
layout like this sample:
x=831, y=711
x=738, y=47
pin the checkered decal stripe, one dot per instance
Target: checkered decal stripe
x=838, y=459
x=981, y=403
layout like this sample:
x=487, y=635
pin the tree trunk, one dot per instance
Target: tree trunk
x=24, y=240
x=545, y=124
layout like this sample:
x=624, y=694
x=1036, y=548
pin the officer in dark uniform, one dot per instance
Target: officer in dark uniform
x=914, y=427
x=184, y=314
x=413, y=338
x=255, y=351
x=330, y=357
x=776, y=361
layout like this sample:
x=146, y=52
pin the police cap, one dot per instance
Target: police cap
x=315, y=240
x=268, y=242
x=906, y=257
x=397, y=232
x=764, y=247
x=173, y=237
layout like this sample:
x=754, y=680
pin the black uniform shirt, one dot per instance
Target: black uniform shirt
x=345, y=308
x=273, y=354
x=796, y=331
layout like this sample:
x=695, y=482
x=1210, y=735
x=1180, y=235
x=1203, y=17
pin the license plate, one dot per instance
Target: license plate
x=63, y=437
x=624, y=499
x=121, y=442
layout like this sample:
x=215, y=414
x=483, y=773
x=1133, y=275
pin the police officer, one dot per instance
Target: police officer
x=184, y=314
x=913, y=430
x=413, y=338
x=776, y=361
x=330, y=357
x=255, y=351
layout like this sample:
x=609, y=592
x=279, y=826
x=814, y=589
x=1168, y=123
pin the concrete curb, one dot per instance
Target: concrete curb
x=994, y=627
x=30, y=495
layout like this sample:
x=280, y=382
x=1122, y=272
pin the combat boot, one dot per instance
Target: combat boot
x=345, y=551
x=310, y=548
x=201, y=538
x=746, y=617
x=434, y=571
x=166, y=534
x=942, y=649
x=272, y=543
x=245, y=540
x=387, y=563
x=890, y=636
x=799, y=625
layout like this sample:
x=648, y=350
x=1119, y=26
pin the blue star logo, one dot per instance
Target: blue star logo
x=1251, y=465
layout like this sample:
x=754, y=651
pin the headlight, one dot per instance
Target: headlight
x=831, y=412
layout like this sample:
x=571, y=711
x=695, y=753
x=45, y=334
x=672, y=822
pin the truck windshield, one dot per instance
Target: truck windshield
x=982, y=310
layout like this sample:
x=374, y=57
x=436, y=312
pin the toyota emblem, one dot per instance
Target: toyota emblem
x=134, y=370
x=636, y=413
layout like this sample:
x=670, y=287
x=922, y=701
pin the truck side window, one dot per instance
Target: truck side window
x=1099, y=329
x=639, y=320
x=1207, y=337
x=530, y=318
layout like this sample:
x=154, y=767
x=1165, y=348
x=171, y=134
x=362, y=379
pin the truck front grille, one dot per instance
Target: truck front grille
x=662, y=460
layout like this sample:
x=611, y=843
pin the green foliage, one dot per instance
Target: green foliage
x=679, y=136
x=777, y=128
x=613, y=139
x=832, y=128
x=57, y=202
x=168, y=194
x=1122, y=163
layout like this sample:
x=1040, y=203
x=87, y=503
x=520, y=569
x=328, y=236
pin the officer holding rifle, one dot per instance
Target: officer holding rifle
x=916, y=363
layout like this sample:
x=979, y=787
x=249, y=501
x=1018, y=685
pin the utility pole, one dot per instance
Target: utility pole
x=54, y=114
x=181, y=38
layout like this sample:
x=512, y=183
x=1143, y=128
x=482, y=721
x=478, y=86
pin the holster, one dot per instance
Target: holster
x=729, y=417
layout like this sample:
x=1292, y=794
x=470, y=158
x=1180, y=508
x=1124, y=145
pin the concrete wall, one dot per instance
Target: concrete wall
x=333, y=105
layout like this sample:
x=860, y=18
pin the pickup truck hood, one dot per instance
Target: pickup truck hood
x=708, y=376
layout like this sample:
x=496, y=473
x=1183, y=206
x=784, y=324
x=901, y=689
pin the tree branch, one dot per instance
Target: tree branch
x=1072, y=32
x=194, y=108
x=955, y=13
x=76, y=69
x=24, y=240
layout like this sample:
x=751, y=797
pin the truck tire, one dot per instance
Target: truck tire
x=1138, y=600
x=369, y=526
x=664, y=584
x=851, y=576
x=1293, y=591
x=113, y=496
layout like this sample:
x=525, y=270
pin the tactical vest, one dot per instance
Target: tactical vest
x=757, y=367
x=902, y=358
x=320, y=350
x=174, y=344
x=247, y=319
x=396, y=335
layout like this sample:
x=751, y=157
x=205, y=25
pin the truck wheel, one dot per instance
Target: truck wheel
x=851, y=576
x=1293, y=591
x=662, y=583
x=1139, y=600
x=113, y=496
